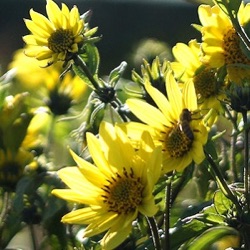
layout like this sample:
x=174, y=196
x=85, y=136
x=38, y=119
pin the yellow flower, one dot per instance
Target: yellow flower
x=64, y=93
x=116, y=188
x=29, y=74
x=60, y=93
x=188, y=65
x=176, y=124
x=221, y=43
x=56, y=37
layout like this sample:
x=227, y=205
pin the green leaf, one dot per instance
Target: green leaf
x=116, y=73
x=185, y=232
x=92, y=58
x=79, y=72
x=210, y=236
x=211, y=149
x=222, y=203
x=229, y=7
x=211, y=216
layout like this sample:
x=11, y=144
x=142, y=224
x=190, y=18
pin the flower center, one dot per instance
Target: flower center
x=179, y=139
x=205, y=83
x=124, y=193
x=61, y=40
x=232, y=52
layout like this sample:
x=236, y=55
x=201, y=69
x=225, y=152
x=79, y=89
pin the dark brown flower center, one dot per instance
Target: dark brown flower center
x=232, y=51
x=61, y=40
x=205, y=83
x=123, y=194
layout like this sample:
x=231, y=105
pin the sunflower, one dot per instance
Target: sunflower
x=29, y=74
x=64, y=92
x=176, y=124
x=188, y=65
x=54, y=38
x=115, y=188
x=59, y=93
x=221, y=43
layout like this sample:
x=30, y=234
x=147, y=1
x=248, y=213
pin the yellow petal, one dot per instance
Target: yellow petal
x=54, y=13
x=160, y=100
x=72, y=196
x=36, y=30
x=174, y=95
x=198, y=154
x=118, y=149
x=41, y=21
x=117, y=234
x=75, y=180
x=90, y=172
x=189, y=96
x=83, y=215
x=103, y=223
x=147, y=113
x=148, y=207
x=98, y=156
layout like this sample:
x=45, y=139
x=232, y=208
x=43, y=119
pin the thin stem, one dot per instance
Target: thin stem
x=116, y=104
x=167, y=214
x=154, y=232
x=246, y=158
x=232, y=157
x=221, y=182
x=79, y=62
x=241, y=32
x=33, y=237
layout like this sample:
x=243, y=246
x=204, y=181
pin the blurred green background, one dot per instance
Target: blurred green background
x=122, y=23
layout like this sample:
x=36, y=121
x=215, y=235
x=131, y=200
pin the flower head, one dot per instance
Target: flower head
x=116, y=188
x=54, y=38
x=188, y=65
x=58, y=92
x=175, y=124
x=221, y=43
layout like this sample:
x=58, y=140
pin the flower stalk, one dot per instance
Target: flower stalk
x=246, y=158
x=167, y=214
x=154, y=232
x=221, y=182
x=80, y=63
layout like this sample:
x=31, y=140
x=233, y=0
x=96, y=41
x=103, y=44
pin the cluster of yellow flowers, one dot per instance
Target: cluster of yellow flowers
x=180, y=101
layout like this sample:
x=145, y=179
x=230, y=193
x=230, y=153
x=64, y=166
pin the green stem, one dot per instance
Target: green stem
x=241, y=32
x=233, y=118
x=116, y=104
x=79, y=62
x=232, y=157
x=222, y=183
x=246, y=158
x=167, y=214
x=154, y=232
